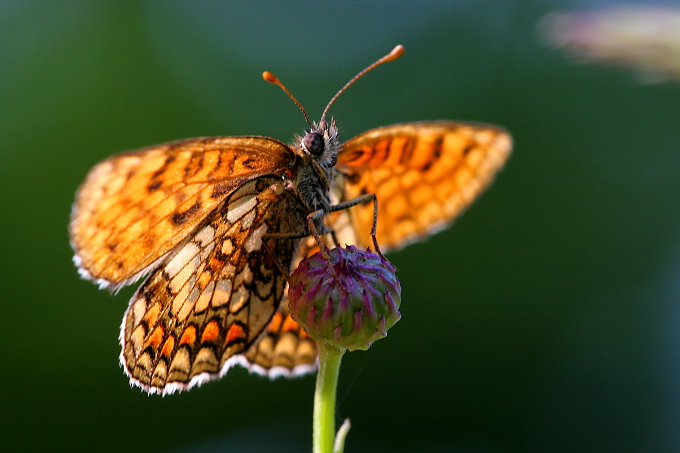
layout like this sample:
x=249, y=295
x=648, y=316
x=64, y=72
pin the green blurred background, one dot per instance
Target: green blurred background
x=546, y=319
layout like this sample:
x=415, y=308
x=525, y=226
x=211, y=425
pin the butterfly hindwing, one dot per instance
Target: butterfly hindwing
x=215, y=294
x=285, y=349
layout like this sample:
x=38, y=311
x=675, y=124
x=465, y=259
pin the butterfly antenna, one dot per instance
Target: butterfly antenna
x=393, y=55
x=271, y=78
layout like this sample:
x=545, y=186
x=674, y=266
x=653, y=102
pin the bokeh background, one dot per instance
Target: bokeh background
x=546, y=319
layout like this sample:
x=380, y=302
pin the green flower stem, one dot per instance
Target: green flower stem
x=324, y=400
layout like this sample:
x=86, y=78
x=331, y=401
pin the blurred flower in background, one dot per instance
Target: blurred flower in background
x=644, y=38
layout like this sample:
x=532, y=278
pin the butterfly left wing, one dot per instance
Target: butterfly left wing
x=423, y=174
x=135, y=207
x=215, y=293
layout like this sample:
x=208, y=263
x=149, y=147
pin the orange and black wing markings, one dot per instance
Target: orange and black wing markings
x=213, y=297
x=136, y=207
x=285, y=349
x=423, y=174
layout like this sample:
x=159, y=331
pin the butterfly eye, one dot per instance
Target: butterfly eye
x=313, y=142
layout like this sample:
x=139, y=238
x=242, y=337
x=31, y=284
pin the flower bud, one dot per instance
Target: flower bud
x=347, y=301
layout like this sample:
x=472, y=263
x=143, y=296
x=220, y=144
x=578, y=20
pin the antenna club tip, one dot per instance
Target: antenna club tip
x=271, y=78
x=397, y=52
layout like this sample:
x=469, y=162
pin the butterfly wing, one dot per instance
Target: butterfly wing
x=136, y=207
x=214, y=295
x=424, y=175
x=285, y=349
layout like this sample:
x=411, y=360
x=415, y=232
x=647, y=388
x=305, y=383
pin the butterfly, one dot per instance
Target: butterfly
x=216, y=225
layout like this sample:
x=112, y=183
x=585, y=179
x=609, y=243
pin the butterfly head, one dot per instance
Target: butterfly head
x=321, y=143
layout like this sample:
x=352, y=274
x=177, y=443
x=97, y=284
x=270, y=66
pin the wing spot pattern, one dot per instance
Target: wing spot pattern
x=222, y=293
x=179, y=218
x=235, y=333
x=188, y=336
x=211, y=332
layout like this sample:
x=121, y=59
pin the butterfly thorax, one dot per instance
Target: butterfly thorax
x=314, y=171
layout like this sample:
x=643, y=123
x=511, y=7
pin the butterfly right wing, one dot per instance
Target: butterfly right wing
x=423, y=174
x=135, y=207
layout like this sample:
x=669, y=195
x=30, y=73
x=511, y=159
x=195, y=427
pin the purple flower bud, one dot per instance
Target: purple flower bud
x=348, y=301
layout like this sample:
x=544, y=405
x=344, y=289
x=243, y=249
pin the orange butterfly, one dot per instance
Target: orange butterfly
x=211, y=220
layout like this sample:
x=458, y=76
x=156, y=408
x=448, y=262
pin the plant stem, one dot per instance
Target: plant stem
x=324, y=398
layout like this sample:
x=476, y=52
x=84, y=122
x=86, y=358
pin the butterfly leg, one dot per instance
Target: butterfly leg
x=360, y=200
x=314, y=219
x=291, y=237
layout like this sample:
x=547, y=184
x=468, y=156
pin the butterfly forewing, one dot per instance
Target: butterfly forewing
x=423, y=174
x=135, y=207
x=214, y=295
